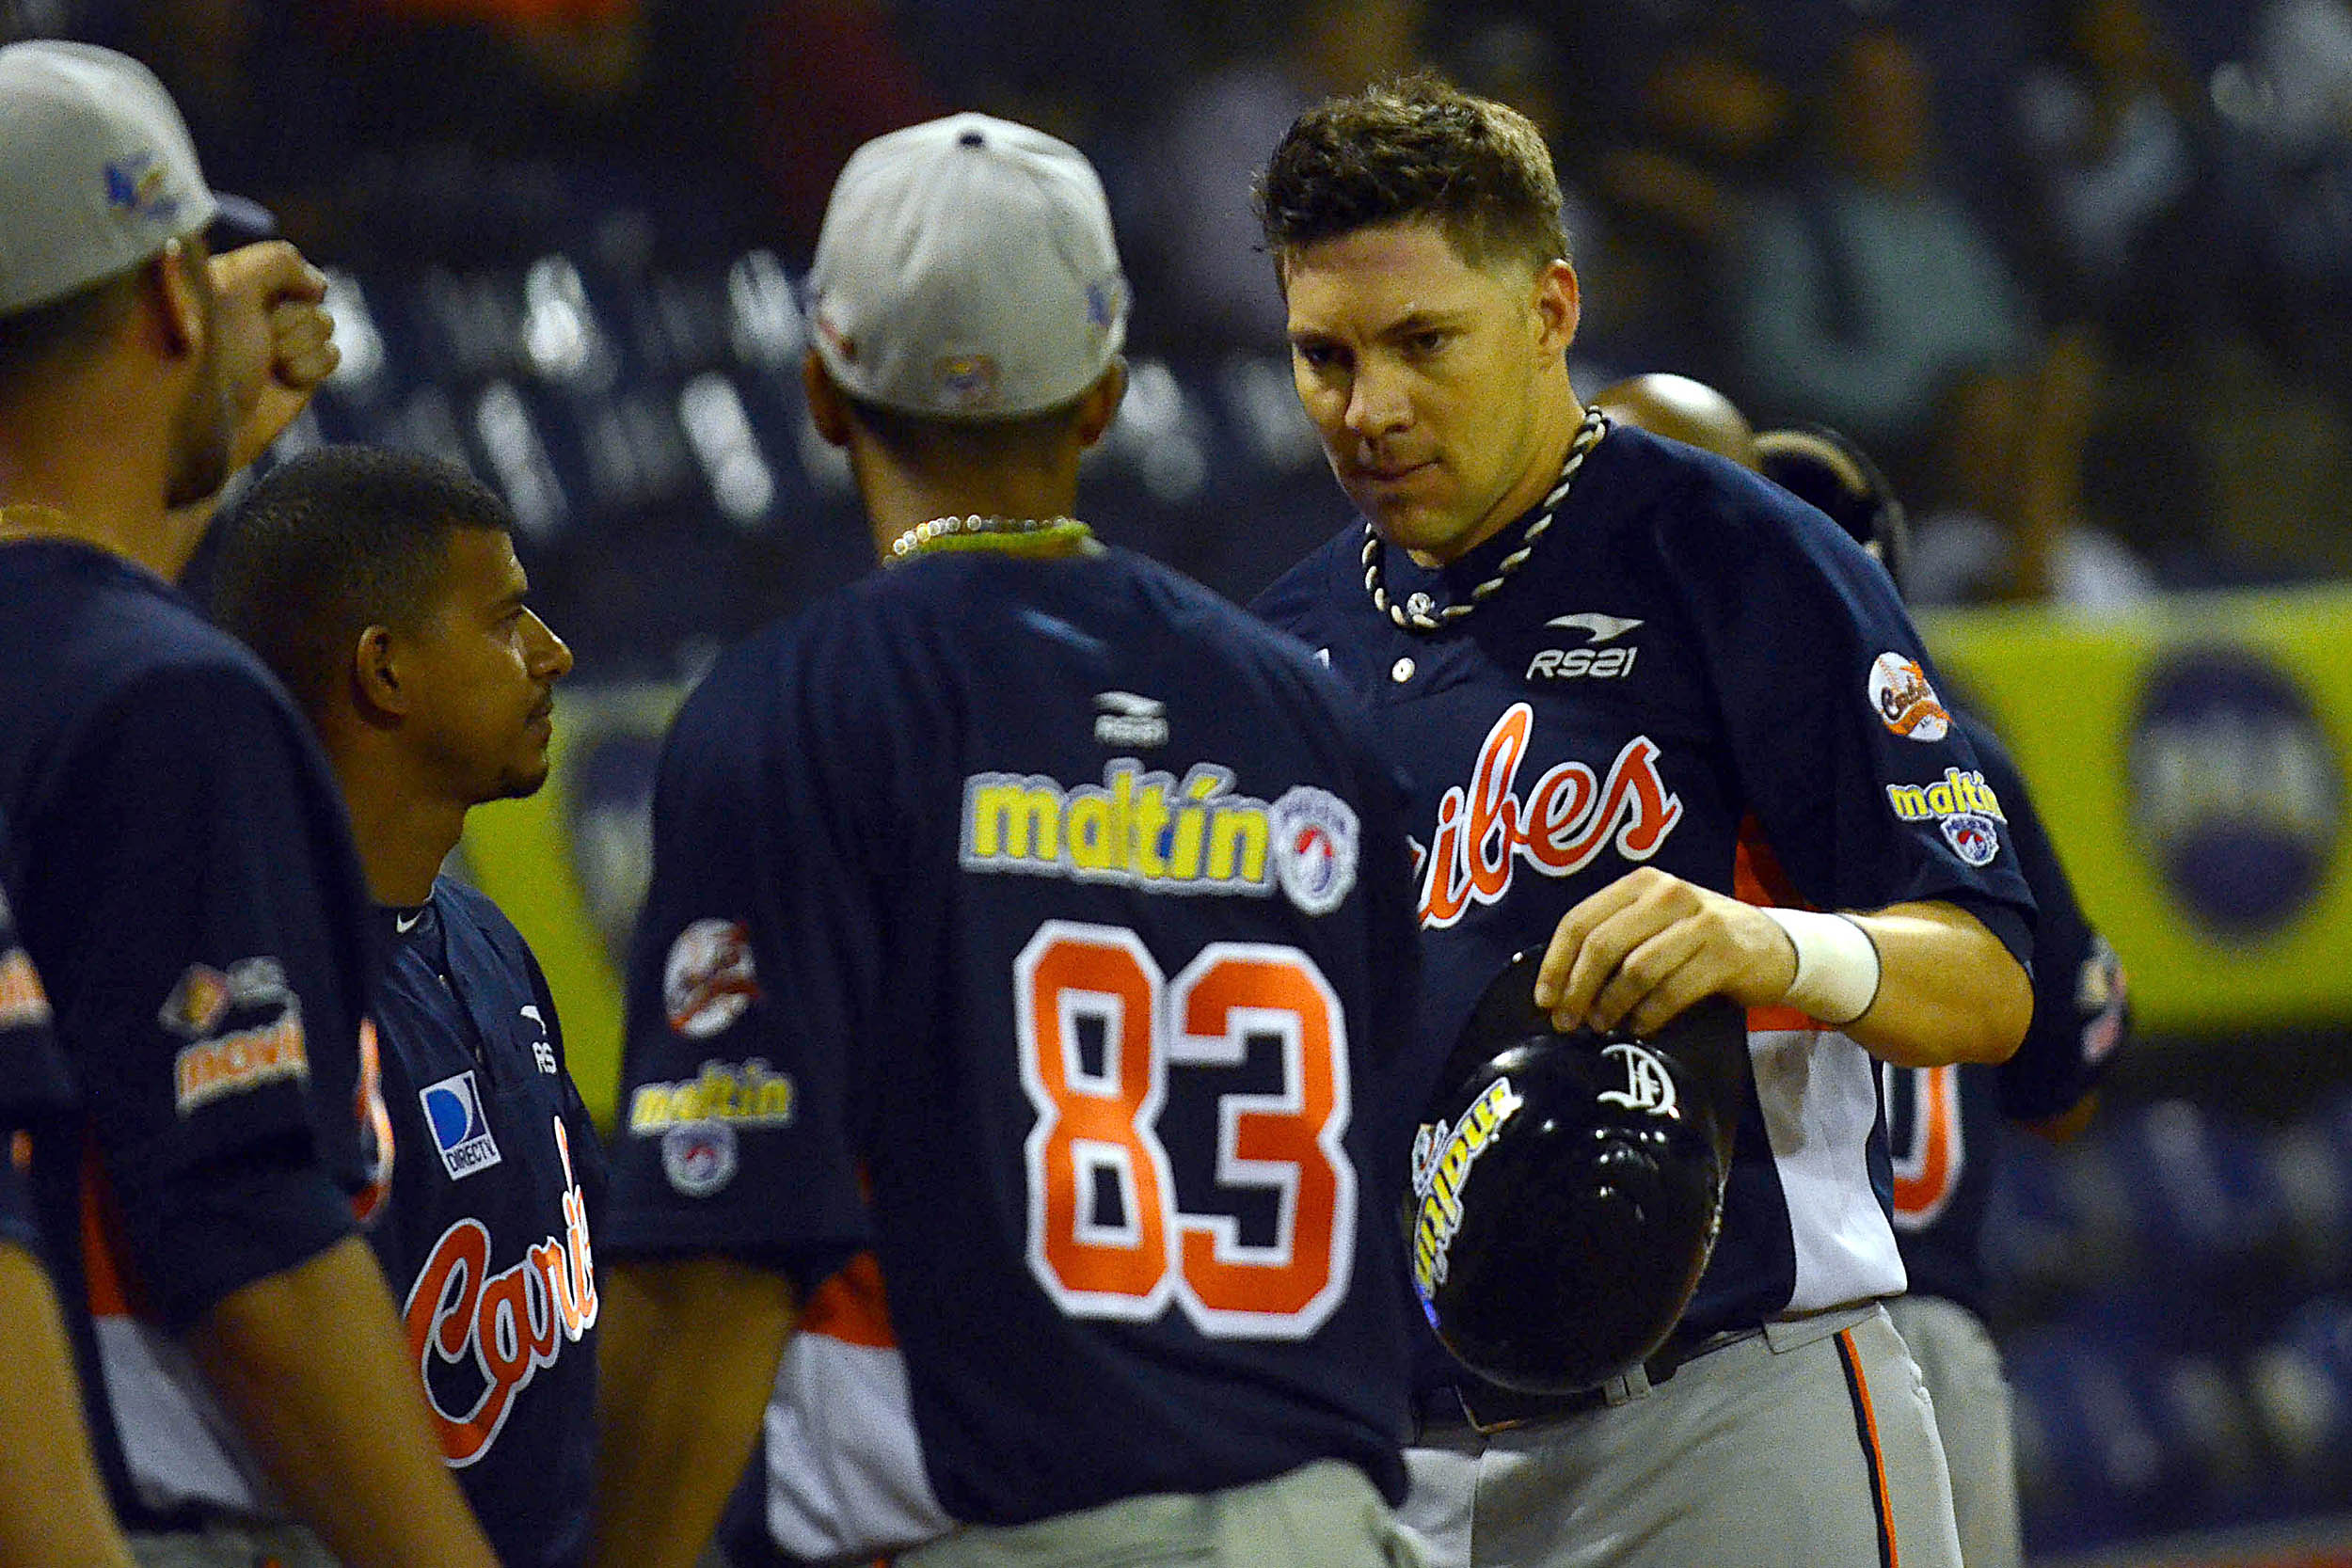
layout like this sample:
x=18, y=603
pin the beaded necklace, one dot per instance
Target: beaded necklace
x=1418, y=614
x=1015, y=535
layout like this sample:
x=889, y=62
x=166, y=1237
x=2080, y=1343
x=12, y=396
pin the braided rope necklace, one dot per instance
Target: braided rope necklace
x=1417, y=614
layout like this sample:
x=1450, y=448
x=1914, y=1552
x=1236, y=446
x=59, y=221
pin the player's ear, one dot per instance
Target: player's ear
x=828, y=409
x=377, y=691
x=181, y=297
x=1559, y=303
x=1098, y=405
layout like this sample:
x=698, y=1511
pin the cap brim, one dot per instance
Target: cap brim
x=239, y=221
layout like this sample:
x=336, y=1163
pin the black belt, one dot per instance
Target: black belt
x=1486, y=1408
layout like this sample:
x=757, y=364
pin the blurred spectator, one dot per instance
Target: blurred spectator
x=2293, y=182
x=1872, y=298
x=1868, y=294
x=1707, y=123
x=2109, y=123
x=1202, y=244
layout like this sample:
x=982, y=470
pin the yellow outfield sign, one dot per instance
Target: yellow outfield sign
x=2189, y=759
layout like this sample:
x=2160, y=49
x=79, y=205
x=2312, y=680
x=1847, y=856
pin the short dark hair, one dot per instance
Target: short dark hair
x=1415, y=148
x=337, y=540
x=920, y=439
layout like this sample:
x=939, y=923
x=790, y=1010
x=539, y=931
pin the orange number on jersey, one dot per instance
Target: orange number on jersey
x=1927, y=1169
x=1098, y=1117
x=1288, y=1141
x=1094, y=1123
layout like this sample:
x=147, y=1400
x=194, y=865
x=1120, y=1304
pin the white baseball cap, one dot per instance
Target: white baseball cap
x=966, y=271
x=97, y=172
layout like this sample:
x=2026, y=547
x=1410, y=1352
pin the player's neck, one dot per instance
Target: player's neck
x=404, y=832
x=81, y=478
x=899, y=499
x=1556, y=431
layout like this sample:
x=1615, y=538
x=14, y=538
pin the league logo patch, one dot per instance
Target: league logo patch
x=709, y=979
x=1314, y=847
x=1904, y=700
x=452, y=1108
x=698, y=1157
x=1973, y=837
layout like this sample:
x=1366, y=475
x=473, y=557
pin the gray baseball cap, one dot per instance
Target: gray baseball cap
x=97, y=172
x=966, y=271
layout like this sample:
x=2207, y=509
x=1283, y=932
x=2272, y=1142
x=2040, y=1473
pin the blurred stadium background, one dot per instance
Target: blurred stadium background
x=566, y=235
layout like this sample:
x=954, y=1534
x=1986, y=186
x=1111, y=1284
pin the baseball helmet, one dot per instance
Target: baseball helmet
x=1566, y=1189
x=1828, y=470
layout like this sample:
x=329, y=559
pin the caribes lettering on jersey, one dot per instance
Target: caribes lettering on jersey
x=509, y=1324
x=1563, y=824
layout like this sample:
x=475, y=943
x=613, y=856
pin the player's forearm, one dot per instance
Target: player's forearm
x=687, y=1357
x=309, y=1366
x=52, y=1510
x=1949, y=991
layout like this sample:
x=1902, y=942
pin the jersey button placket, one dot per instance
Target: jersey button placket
x=1401, y=671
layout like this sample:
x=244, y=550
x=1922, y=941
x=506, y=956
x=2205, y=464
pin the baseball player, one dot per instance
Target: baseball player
x=1017, y=997
x=382, y=588
x=1628, y=680
x=1945, y=1122
x=53, y=1505
x=187, y=884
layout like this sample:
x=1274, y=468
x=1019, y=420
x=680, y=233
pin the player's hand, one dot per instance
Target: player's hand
x=275, y=339
x=1645, y=948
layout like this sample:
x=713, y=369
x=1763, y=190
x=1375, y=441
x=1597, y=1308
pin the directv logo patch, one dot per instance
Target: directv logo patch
x=452, y=1108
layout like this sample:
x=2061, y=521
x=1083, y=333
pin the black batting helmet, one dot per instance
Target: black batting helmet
x=1566, y=1188
x=1819, y=466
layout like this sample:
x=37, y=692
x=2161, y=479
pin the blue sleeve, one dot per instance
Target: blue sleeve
x=2079, y=1011
x=215, y=1028
x=1865, y=789
x=738, y=1072
x=33, y=1078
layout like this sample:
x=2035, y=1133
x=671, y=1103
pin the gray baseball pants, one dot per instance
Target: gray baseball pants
x=1962, y=1370
x=1323, y=1515
x=1811, y=1445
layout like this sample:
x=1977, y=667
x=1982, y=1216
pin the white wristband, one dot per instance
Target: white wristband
x=1837, y=965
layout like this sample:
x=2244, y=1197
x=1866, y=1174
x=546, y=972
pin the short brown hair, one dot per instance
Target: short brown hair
x=1415, y=148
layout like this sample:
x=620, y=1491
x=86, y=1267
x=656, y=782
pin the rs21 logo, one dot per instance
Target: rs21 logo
x=507, y=1325
x=1561, y=826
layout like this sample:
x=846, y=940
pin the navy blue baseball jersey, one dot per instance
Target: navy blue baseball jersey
x=1040, y=925
x=186, y=885
x=33, y=1087
x=1691, y=671
x=1945, y=1123
x=486, y=1236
